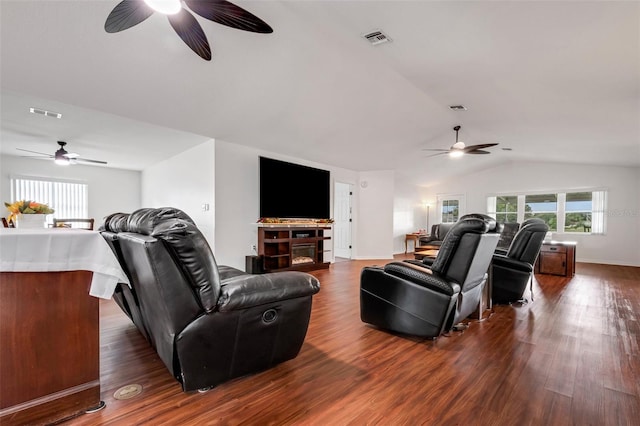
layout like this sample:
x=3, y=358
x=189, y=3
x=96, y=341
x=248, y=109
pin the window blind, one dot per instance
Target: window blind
x=70, y=200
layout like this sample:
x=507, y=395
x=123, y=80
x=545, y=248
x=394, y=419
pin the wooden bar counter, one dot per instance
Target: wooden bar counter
x=49, y=322
x=50, y=347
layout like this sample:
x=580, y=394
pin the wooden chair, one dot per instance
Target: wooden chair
x=74, y=223
x=7, y=223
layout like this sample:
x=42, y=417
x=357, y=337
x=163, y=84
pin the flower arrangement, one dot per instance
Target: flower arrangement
x=26, y=207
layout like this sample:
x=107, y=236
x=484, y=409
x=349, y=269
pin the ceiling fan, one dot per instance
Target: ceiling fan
x=459, y=148
x=131, y=12
x=62, y=157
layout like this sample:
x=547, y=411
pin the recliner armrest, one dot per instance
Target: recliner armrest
x=247, y=290
x=423, y=276
x=507, y=262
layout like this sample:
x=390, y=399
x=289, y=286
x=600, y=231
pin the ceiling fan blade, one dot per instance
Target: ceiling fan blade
x=127, y=14
x=190, y=31
x=433, y=155
x=35, y=152
x=35, y=157
x=435, y=149
x=86, y=160
x=226, y=13
x=477, y=151
x=481, y=146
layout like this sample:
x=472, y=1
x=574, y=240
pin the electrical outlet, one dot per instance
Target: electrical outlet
x=253, y=247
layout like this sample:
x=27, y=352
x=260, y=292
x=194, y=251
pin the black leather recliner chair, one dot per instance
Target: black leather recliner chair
x=507, y=233
x=512, y=271
x=427, y=300
x=124, y=296
x=208, y=323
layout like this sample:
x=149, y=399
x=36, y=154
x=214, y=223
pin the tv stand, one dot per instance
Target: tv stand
x=294, y=247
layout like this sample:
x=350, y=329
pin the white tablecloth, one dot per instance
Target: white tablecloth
x=49, y=250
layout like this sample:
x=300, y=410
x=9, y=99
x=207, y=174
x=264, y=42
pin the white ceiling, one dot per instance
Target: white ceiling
x=555, y=81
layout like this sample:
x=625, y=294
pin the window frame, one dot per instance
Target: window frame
x=566, y=212
x=53, y=196
x=492, y=208
x=443, y=198
x=598, y=213
x=534, y=213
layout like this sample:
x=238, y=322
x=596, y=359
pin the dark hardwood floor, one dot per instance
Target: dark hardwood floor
x=571, y=357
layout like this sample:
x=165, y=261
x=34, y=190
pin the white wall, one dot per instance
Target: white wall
x=620, y=245
x=409, y=213
x=110, y=190
x=185, y=181
x=375, y=216
x=237, y=198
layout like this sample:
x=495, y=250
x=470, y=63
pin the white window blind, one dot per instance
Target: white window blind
x=599, y=205
x=70, y=200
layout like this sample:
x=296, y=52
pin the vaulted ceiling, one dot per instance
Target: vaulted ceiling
x=554, y=81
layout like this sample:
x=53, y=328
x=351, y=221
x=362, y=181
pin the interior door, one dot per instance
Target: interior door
x=342, y=220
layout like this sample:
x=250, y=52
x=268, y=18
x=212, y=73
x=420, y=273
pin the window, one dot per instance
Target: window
x=68, y=199
x=585, y=212
x=450, y=211
x=582, y=212
x=503, y=208
x=543, y=206
x=578, y=210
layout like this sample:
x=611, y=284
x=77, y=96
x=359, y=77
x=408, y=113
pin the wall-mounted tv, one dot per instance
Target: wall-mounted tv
x=293, y=191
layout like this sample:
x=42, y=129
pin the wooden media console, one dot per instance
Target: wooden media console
x=294, y=247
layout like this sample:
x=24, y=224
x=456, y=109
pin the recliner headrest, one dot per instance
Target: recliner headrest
x=143, y=221
x=527, y=241
x=115, y=222
x=532, y=220
x=491, y=222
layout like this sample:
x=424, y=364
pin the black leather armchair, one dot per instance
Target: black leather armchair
x=507, y=233
x=208, y=323
x=436, y=237
x=425, y=300
x=513, y=270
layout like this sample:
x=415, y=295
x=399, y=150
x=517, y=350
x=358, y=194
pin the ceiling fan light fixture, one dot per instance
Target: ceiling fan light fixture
x=166, y=7
x=456, y=153
x=62, y=161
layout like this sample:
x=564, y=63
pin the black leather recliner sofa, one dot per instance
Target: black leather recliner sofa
x=513, y=270
x=436, y=237
x=208, y=323
x=427, y=300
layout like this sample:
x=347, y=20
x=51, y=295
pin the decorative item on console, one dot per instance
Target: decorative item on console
x=281, y=220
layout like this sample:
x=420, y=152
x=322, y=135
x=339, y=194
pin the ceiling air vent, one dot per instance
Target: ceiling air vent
x=45, y=112
x=377, y=37
x=458, y=107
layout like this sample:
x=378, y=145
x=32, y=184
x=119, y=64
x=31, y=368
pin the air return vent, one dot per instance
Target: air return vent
x=377, y=37
x=45, y=112
x=458, y=107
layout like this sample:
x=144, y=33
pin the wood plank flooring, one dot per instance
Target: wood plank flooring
x=571, y=357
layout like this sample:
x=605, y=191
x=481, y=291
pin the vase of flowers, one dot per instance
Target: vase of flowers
x=28, y=214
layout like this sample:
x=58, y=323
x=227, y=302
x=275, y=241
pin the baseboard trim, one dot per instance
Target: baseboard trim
x=608, y=262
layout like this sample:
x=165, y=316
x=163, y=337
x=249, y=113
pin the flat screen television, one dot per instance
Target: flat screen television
x=293, y=191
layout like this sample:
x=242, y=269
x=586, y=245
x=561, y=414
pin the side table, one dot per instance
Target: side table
x=415, y=237
x=557, y=258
